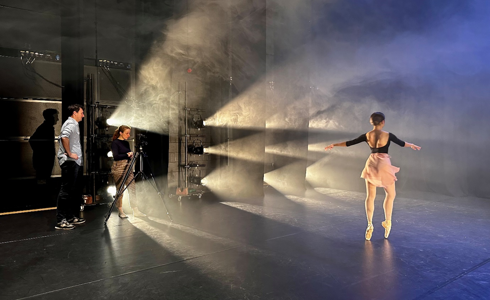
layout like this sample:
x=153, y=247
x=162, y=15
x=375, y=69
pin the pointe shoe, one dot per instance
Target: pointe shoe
x=369, y=231
x=387, y=225
x=138, y=213
x=122, y=215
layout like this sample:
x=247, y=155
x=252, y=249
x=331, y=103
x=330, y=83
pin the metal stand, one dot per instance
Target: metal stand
x=94, y=141
x=142, y=156
x=185, y=139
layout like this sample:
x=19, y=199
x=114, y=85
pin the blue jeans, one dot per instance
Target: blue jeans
x=70, y=196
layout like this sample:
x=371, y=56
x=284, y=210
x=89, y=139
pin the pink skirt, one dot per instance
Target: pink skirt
x=379, y=171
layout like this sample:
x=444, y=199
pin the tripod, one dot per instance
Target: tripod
x=142, y=156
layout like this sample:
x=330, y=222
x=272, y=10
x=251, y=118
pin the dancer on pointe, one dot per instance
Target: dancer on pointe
x=378, y=171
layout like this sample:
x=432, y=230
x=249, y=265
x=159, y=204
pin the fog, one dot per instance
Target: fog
x=328, y=66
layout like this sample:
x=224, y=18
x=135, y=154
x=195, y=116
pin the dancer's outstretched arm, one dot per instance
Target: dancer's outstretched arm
x=342, y=144
x=360, y=139
x=401, y=143
x=413, y=146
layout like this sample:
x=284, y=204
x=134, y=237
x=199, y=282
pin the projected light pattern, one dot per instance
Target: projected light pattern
x=288, y=179
x=230, y=181
x=269, y=213
x=286, y=149
x=159, y=232
x=314, y=212
x=241, y=112
x=239, y=149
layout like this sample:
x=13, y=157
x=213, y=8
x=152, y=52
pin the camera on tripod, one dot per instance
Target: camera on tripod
x=142, y=140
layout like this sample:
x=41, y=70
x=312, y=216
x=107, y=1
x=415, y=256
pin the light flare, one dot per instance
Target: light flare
x=111, y=190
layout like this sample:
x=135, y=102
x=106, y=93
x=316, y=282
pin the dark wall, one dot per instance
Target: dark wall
x=92, y=30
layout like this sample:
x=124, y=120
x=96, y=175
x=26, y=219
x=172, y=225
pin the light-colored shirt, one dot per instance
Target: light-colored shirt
x=70, y=130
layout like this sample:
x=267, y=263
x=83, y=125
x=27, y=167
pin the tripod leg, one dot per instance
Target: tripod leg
x=164, y=205
x=108, y=215
x=120, y=192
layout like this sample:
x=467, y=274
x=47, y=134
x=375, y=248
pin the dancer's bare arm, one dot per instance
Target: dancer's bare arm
x=413, y=146
x=401, y=143
x=342, y=144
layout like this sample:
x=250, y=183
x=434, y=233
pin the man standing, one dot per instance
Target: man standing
x=70, y=159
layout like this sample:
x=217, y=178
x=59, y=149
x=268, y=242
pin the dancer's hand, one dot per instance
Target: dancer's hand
x=415, y=147
x=329, y=147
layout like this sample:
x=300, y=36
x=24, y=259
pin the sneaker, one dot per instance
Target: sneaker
x=64, y=225
x=76, y=221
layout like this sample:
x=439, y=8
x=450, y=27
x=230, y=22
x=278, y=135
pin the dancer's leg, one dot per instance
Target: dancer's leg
x=370, y=195
x=388, y=208
x=389, y=199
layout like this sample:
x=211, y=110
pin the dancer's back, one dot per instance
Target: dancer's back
x=377, y=138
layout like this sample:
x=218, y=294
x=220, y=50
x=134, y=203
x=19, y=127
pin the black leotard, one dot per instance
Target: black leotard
x=384, y=149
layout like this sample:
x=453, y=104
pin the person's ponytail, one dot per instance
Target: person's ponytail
x=116, y=134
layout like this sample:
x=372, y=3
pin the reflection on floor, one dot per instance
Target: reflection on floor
x=308, y=246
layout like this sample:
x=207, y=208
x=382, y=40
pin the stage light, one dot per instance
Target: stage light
x=109, y=154
x=111, y=190
x=111, y=122
x=205, y=150
x=101, y=122
x=195, y=175
x=204, y=122
x=195, y=180
x=196, y=148
x=197, y=122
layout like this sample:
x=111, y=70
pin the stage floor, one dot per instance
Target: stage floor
x=280, y=247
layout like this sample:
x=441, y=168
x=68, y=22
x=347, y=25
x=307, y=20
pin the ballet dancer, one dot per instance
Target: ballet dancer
x=378, y=171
